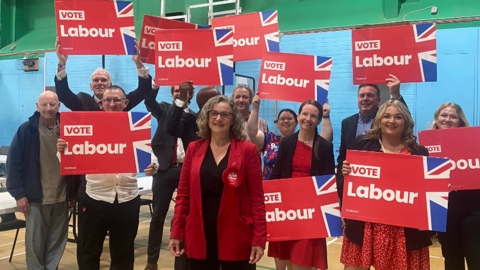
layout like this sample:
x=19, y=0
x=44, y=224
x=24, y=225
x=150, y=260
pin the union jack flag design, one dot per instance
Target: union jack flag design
x=324, y=184
x=122, y=138
x=322, y=64
x=416, y=197
x=123, y=8
x=333, y=219
x=223, y=37
x=142, y=149
x=269, y=17
x=437, y=206
x=437, y=168
x=287, y=218
x=412, y=55
x=128, y=38
x=255, y=33
x=428, y=59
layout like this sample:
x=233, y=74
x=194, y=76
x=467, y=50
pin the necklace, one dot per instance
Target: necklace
x=305, y=142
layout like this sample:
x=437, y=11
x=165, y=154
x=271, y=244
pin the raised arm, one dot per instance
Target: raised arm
x=151, y=103
x=144, y=82
x=256, y=136
x=327, y=130
x=173, y=124
x=65, y=95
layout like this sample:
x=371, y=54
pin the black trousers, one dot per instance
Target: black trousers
x=215, y=264
x=462, y=241
x=163, y=187
x=98, y=218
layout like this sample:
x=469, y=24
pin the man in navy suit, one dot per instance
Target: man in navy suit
x=368, y=100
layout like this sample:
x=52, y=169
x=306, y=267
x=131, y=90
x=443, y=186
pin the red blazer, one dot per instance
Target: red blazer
x=237, y=233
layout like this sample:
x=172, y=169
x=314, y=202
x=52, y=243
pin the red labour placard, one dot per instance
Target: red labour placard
x=294, y=77
x=254, y=33
x=147, y=37
x=408, y=52
x=302, y=208
x=202, y=56
x=461, y=146
x=93, y=27
x=380, y=189
x=105, y=142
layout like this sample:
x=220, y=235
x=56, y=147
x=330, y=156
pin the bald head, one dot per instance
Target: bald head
x=48, y=105
x=205, y=94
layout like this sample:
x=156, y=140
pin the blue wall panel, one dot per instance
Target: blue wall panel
x=458, y=58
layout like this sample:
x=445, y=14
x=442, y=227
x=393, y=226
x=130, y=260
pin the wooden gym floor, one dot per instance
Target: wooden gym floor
x=166, y=260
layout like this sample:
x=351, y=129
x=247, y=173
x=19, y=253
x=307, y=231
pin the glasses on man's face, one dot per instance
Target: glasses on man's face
x=52, y=105
x=223, y=115
x=285, y=119
x=115, y=100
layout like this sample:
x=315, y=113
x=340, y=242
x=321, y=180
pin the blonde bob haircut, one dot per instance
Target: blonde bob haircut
x=460, y=113
x=237, y=131
x=408, y=139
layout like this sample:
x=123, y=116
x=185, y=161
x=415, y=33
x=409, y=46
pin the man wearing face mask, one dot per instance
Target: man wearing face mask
x=368, y=100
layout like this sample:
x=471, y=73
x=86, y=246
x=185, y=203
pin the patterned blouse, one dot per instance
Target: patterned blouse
x=270, y=150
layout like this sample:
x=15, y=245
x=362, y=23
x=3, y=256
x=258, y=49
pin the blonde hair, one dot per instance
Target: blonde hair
x=237, y=131
x=460, y=113
x=408, y=139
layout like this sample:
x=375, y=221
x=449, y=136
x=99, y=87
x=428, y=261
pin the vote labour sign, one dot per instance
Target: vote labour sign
x=461, y=146
x=409, y=52
x=254, y=33
x=147, y=37
x=105, y=142
x=203, y=56
x=92, y=27
x=302, y=208
x=294, y=77
x=402, y=190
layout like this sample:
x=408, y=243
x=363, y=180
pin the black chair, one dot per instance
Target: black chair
x=147, y=202
x=10, y=222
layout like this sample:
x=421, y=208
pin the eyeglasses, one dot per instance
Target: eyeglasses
x=52, y=104
x=215, y=114
x=285, y=119
x=115, y=100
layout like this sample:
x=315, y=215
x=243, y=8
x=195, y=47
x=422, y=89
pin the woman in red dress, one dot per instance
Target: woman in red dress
x=301, y=154
x=386, y=247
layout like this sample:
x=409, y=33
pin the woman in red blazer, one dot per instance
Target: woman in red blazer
x=220, y=210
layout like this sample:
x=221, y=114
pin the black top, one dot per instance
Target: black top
x=463, y=202
x=212, y=188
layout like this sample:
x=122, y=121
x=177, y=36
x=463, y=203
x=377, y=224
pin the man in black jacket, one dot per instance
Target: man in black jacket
x=181, y=125
x=170, y=153
x=358, y=124
x=34, y=180
x=100, y=80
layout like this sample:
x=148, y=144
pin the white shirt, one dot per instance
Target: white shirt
x=104, y=187
x=180, y=149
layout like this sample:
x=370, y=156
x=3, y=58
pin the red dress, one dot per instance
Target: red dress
x=308, y=252
x=384, y=247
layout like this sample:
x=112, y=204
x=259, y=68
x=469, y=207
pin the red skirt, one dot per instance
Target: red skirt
x=308, y=253
x=384, y=248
